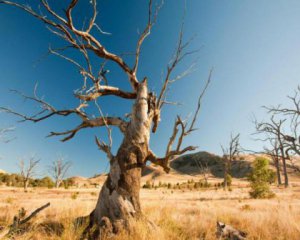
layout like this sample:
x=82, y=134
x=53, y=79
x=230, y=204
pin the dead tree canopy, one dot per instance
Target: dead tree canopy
x=59, y=170
x=28, y=171
x=119, y=198
x=233, y=149
x=274, y=152
x=282, y=133
x=291, y=114
x=230, y=154
x=272, y=131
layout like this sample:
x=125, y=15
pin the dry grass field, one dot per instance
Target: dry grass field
x=179, y=214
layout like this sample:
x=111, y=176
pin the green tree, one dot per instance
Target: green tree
x=45, y=182
x=260, y=178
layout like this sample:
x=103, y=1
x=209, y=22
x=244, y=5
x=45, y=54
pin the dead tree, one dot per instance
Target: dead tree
x=205, y=170
x=59, y=170
x=273, y=131
x=274, y=153
x=291, y=140
x=28, y=172
x=118, y=200
x=230, y=154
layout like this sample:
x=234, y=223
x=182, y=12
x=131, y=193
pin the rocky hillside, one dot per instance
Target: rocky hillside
x=205, y=162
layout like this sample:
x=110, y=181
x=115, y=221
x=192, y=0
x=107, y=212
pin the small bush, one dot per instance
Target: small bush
x=9, y=200
x=229, y=180
x=260, y=178
x=147, y=185
x=74, y=195
x=246, y=207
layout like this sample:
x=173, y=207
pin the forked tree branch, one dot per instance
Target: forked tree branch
x=185, y=131
x=294, y=110
x=146, y=33
x=80, y=39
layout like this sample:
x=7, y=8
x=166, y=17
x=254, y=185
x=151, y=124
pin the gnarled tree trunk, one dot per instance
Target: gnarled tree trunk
x=119, y=200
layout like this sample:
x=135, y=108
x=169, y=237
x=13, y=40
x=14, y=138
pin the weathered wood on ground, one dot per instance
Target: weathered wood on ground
x=228, y=232
x=18, y=222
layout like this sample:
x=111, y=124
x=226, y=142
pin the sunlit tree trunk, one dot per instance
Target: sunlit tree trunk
x=285, y=174
x=25, y=185
x=119, y=200
x=277, y=165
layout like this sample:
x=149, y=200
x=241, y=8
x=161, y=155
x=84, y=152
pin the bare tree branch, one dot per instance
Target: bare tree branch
x=185, y=131
x=145, y=33
x=91, y=123
x=59, y=170
x=27, y=172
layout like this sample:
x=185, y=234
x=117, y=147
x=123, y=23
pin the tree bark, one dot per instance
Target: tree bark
x=226, y=168
x=57, y=183
x=276, y=161
x=286, y=178
x=25, y=185
x=119, y=201
x=285, y=174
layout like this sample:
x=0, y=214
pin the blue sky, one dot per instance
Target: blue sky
x=253, y=46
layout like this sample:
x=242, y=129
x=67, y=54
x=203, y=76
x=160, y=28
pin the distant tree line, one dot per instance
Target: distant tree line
x=28, y=171
x=17, y=180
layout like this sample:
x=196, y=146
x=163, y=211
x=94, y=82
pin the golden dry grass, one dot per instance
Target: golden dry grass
x=179, y=215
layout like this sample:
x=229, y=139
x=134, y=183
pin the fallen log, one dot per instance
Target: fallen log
x=18, y=222
x=228, y=232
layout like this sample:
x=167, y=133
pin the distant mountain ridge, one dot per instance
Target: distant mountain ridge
x=183, y=169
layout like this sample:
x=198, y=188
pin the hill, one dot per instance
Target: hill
x=197, y=165
x=205, y=162
x=95, y=181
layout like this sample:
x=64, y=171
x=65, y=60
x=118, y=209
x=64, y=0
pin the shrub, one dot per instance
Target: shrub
x=147, y=185
x=68, y=183
x=229, y=180
x=74, y=195
x=196, y=185
x=259, y=178
x=43, y=182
